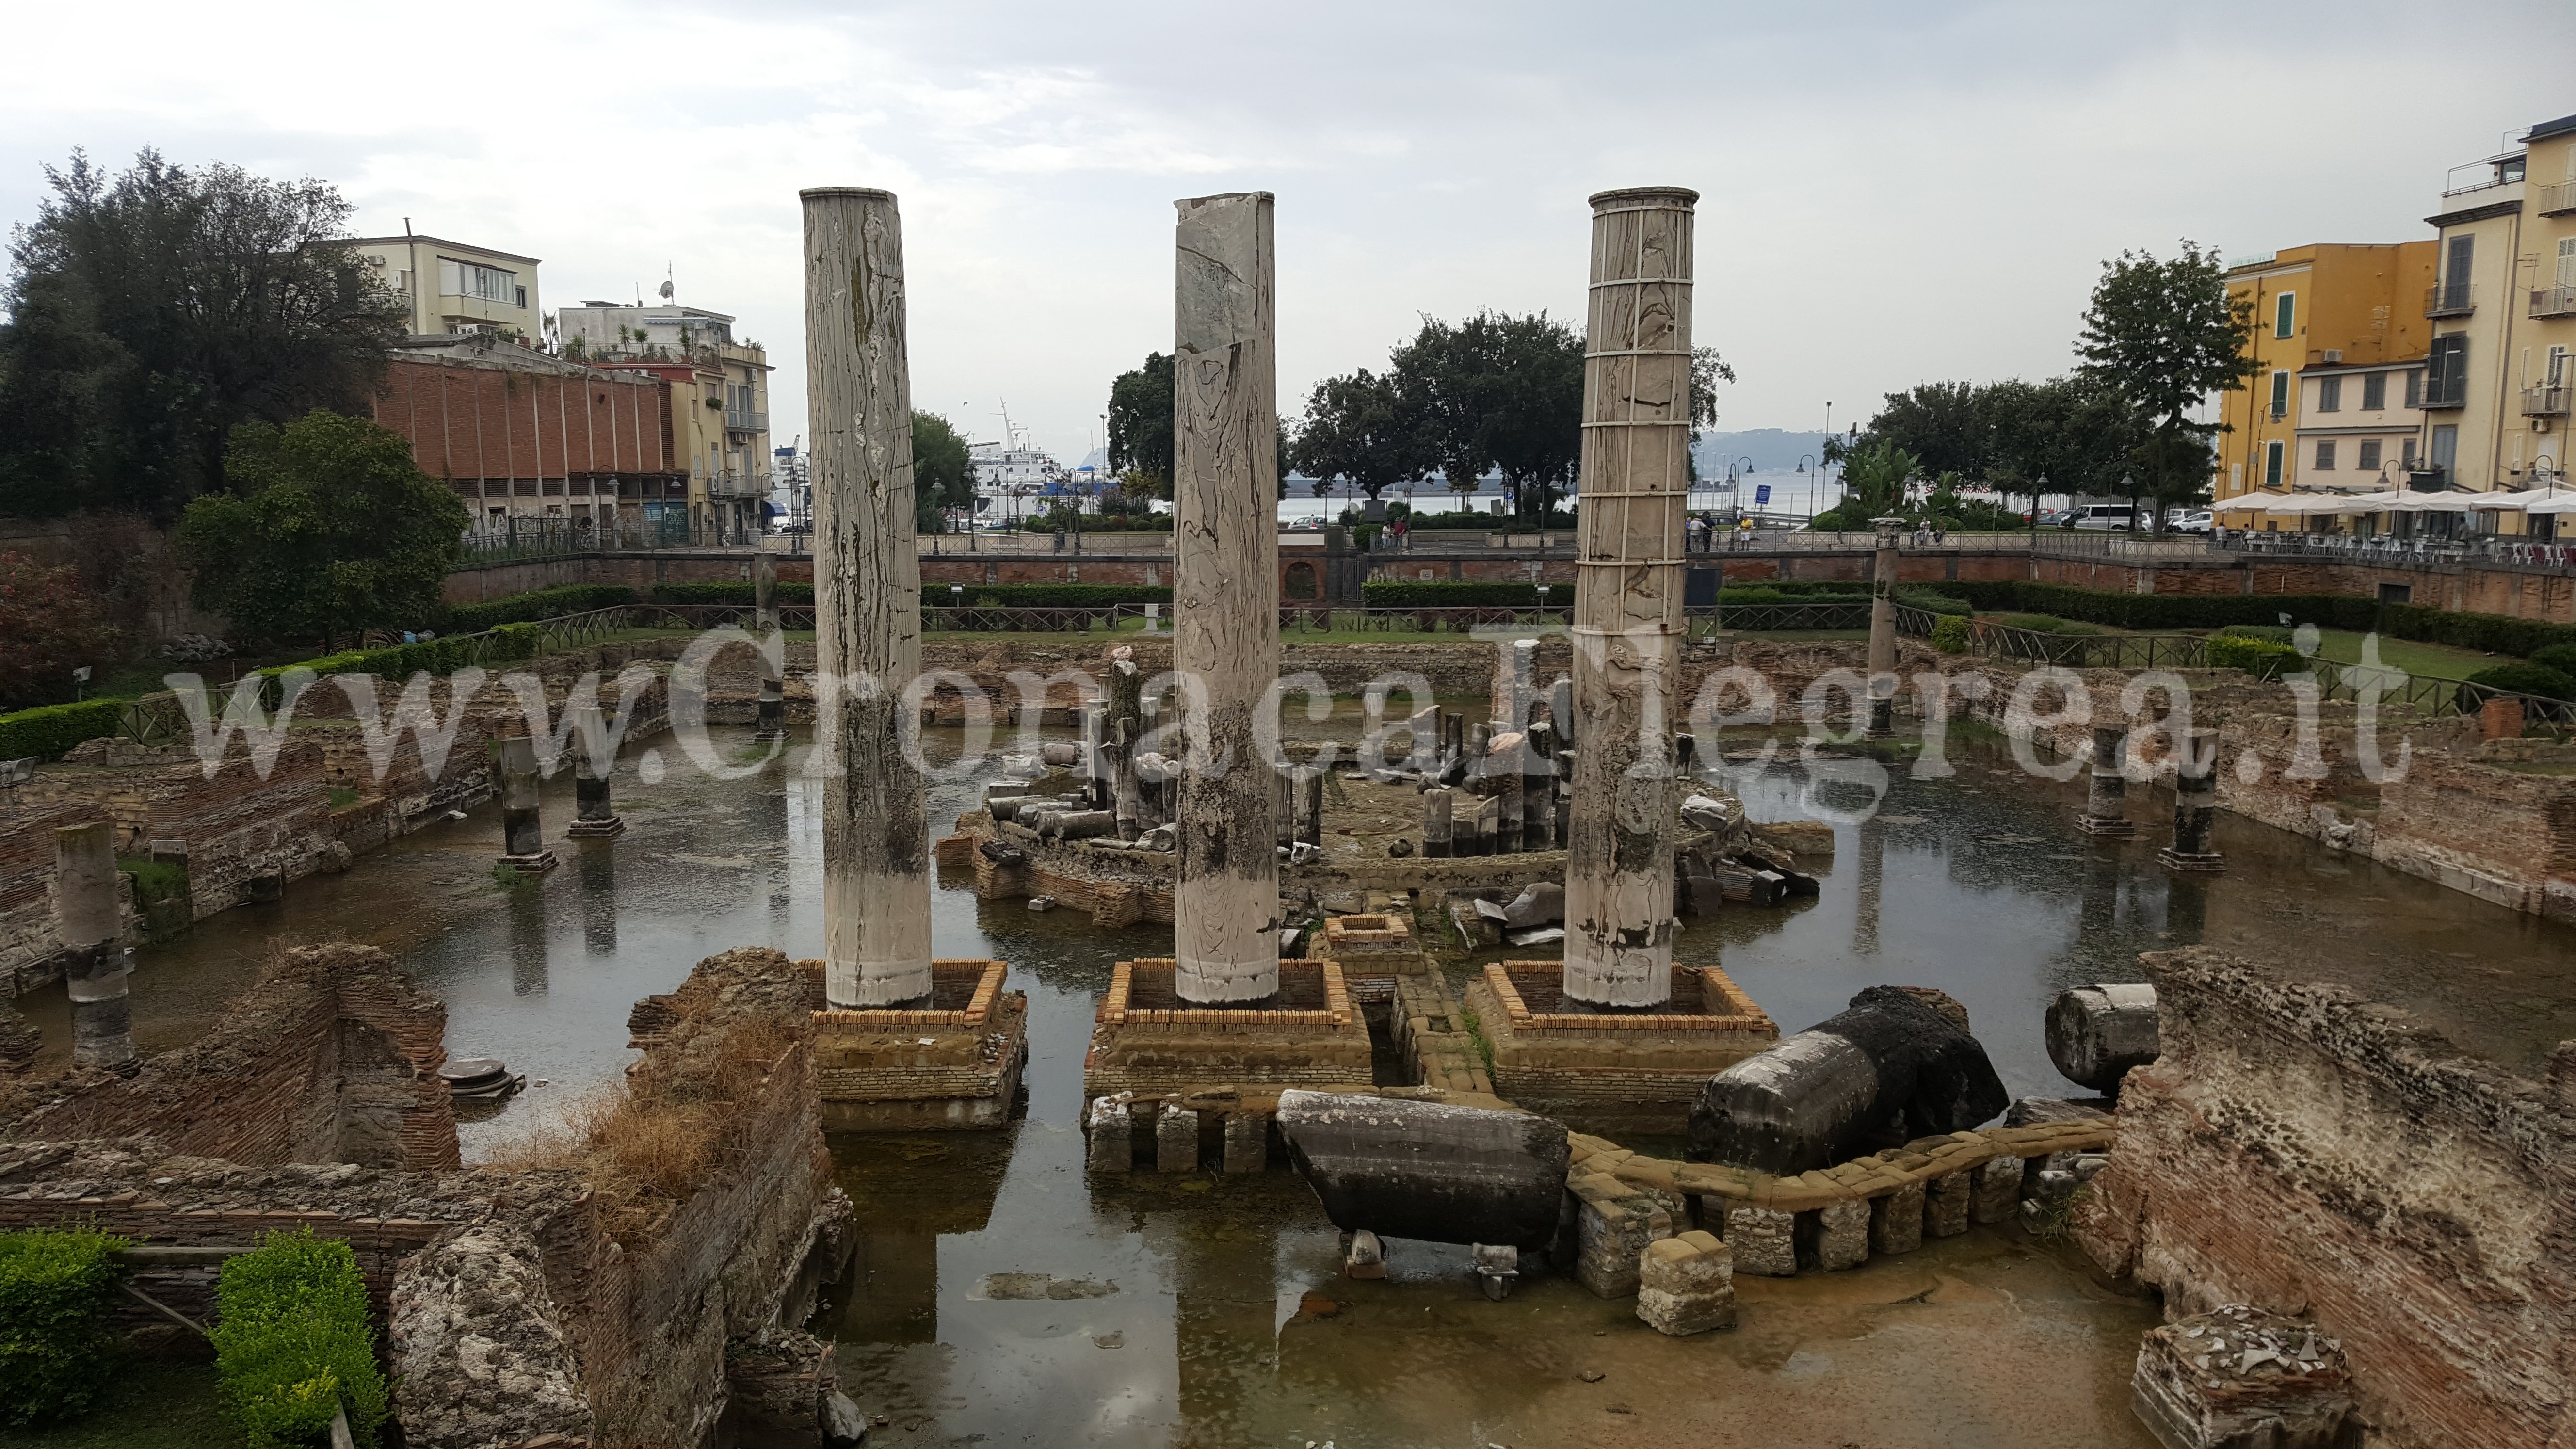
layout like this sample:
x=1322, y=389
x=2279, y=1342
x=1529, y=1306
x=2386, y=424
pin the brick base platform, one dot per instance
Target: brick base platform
x=954, y=1064
x=1622, y=1071
x=1146, y=1041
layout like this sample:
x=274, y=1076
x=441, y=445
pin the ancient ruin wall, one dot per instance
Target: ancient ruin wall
x=332, y=1057
x=2308, y=1153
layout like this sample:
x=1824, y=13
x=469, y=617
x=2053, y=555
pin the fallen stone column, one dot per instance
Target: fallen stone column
x=2095, y=1034
x=1686, y=1285
x=1431, y=1170
x=2110, y=786
x=1079, y=825
x=1809, y=1102
x=1225, y=595
x=91, y=925
x=867, y=601
x=1628, y=598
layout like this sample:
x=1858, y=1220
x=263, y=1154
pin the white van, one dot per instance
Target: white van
x=2103, y=516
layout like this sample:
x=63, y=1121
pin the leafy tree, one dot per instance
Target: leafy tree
x=151, y=312
x=1942, y=423
x=1874, y=480
x=2163, y=335
x=1707, y=371
x=49, y=626
x=1358, y=426
x=1140, y=422
x=941, y=479
x=1502, y=392
x=329, y=530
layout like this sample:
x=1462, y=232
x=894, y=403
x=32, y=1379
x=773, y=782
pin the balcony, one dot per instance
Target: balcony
x=743, y=420
x=2448, y=299
x=2544, y=402
x=737, y=485
x=2554, y=302
x=2557, y=197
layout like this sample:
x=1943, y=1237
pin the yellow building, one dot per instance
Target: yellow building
x=2339, y=350
x=455, y=288
x=2504, y=319
x=719, y=400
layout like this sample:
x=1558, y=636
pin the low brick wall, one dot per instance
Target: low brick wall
x=1158, y=1050
x=2306, y=1152
x=954, y=1064
x=1640, y=1070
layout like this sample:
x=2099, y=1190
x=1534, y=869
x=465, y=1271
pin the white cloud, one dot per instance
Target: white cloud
x=1890, y=192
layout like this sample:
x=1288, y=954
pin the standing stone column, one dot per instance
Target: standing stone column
x=1628, y=598
x=1538, y=788
x=2110, y=783
x=1225, y=594
x=523, y=831
x=1435, y=823
x=764, y=592
x=2195, y=804
x=92, y=927
x=867, y=601
x=771, y=721
x=1882, y=630
x=593, y=814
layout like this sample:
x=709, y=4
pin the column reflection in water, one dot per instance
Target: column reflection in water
x=597, y=872
x=771, y=824
x=527, y=908
x=1873, y=872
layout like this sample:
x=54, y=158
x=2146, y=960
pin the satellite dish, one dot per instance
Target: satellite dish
x=666, y=291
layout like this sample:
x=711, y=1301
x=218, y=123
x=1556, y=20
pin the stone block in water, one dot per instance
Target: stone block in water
x=1431, y=1170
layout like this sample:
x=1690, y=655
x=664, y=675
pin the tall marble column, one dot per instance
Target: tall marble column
x=867, y=601
x=1628, y=598
x=1882, y=630
x=1225, y=595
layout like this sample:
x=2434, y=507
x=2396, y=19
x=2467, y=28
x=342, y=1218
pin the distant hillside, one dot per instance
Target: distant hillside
x=1771, y=450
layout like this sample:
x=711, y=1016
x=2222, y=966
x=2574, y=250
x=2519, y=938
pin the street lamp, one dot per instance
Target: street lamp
x=1817, y=477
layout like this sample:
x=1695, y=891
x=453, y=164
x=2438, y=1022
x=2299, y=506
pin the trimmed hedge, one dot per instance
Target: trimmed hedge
x=50, y=729
x=2486, y=633
x=1452, y=594
x=2268, y=633
x=293, y=1341
x=53, y=1350
x=2259, y=657
x=737, y=591
x=2533, y=679
x=537, y=604
x=2561, y=657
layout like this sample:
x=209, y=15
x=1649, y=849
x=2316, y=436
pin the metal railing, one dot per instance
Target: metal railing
x=534, y=538
x=2553, y=302
x=744, y=420
x=2448, y=299
x=730, y=484
x=2544, y=402
x=2120, y=543
x=2536, y=553
x=2555, y=197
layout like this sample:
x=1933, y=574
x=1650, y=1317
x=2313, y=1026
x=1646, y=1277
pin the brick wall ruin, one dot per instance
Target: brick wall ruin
x=2308, y=1153
x=332, y=1057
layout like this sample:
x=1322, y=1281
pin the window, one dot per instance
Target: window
x=2374, y=391
x=2414, y=387
x=2446, y=446
x=2456, y=272
x=2280, y=394
x=2272, y=464
x=2369, y=459
x=2567, y=252
x=2325, y=455
x=483, y=284
x=2446, y=376
x=2330, y=394
x=2285, y=312
x=2406, y=455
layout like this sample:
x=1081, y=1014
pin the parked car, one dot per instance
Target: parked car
x=2102, y=516
x=2191, y=520
x=2054, y=518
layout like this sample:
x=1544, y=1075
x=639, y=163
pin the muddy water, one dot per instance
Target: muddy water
x=1202, y=1310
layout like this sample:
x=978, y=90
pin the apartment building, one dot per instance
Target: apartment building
x=719, y=388
x=2339, y=349
x=454, y=288
x=2503, y=311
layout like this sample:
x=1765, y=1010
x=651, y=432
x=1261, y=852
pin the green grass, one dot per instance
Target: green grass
x=148, y=1404
x=343, y=797
x=2425, y=661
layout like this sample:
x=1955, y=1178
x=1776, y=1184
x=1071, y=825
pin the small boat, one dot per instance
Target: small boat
x=480, y=1079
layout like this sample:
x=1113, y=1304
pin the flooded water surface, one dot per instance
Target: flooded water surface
x=1206, y=1310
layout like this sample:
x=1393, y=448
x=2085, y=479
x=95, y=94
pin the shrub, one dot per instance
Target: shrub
x=49, y=730
x=737, y=591
x=2268, y=633
x=2044, y=624
x=293, y=1341
x=2533, y=679
x=2487, y=633
x=53, y=1351
x=1932, y=603
x=539, y=604
x=1447, y=593
x=1950, y=635
x=2259, y=657
x=2561, y=657
x=1050, y=596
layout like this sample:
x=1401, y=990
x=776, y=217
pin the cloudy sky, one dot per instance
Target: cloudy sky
x=1889, y=192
